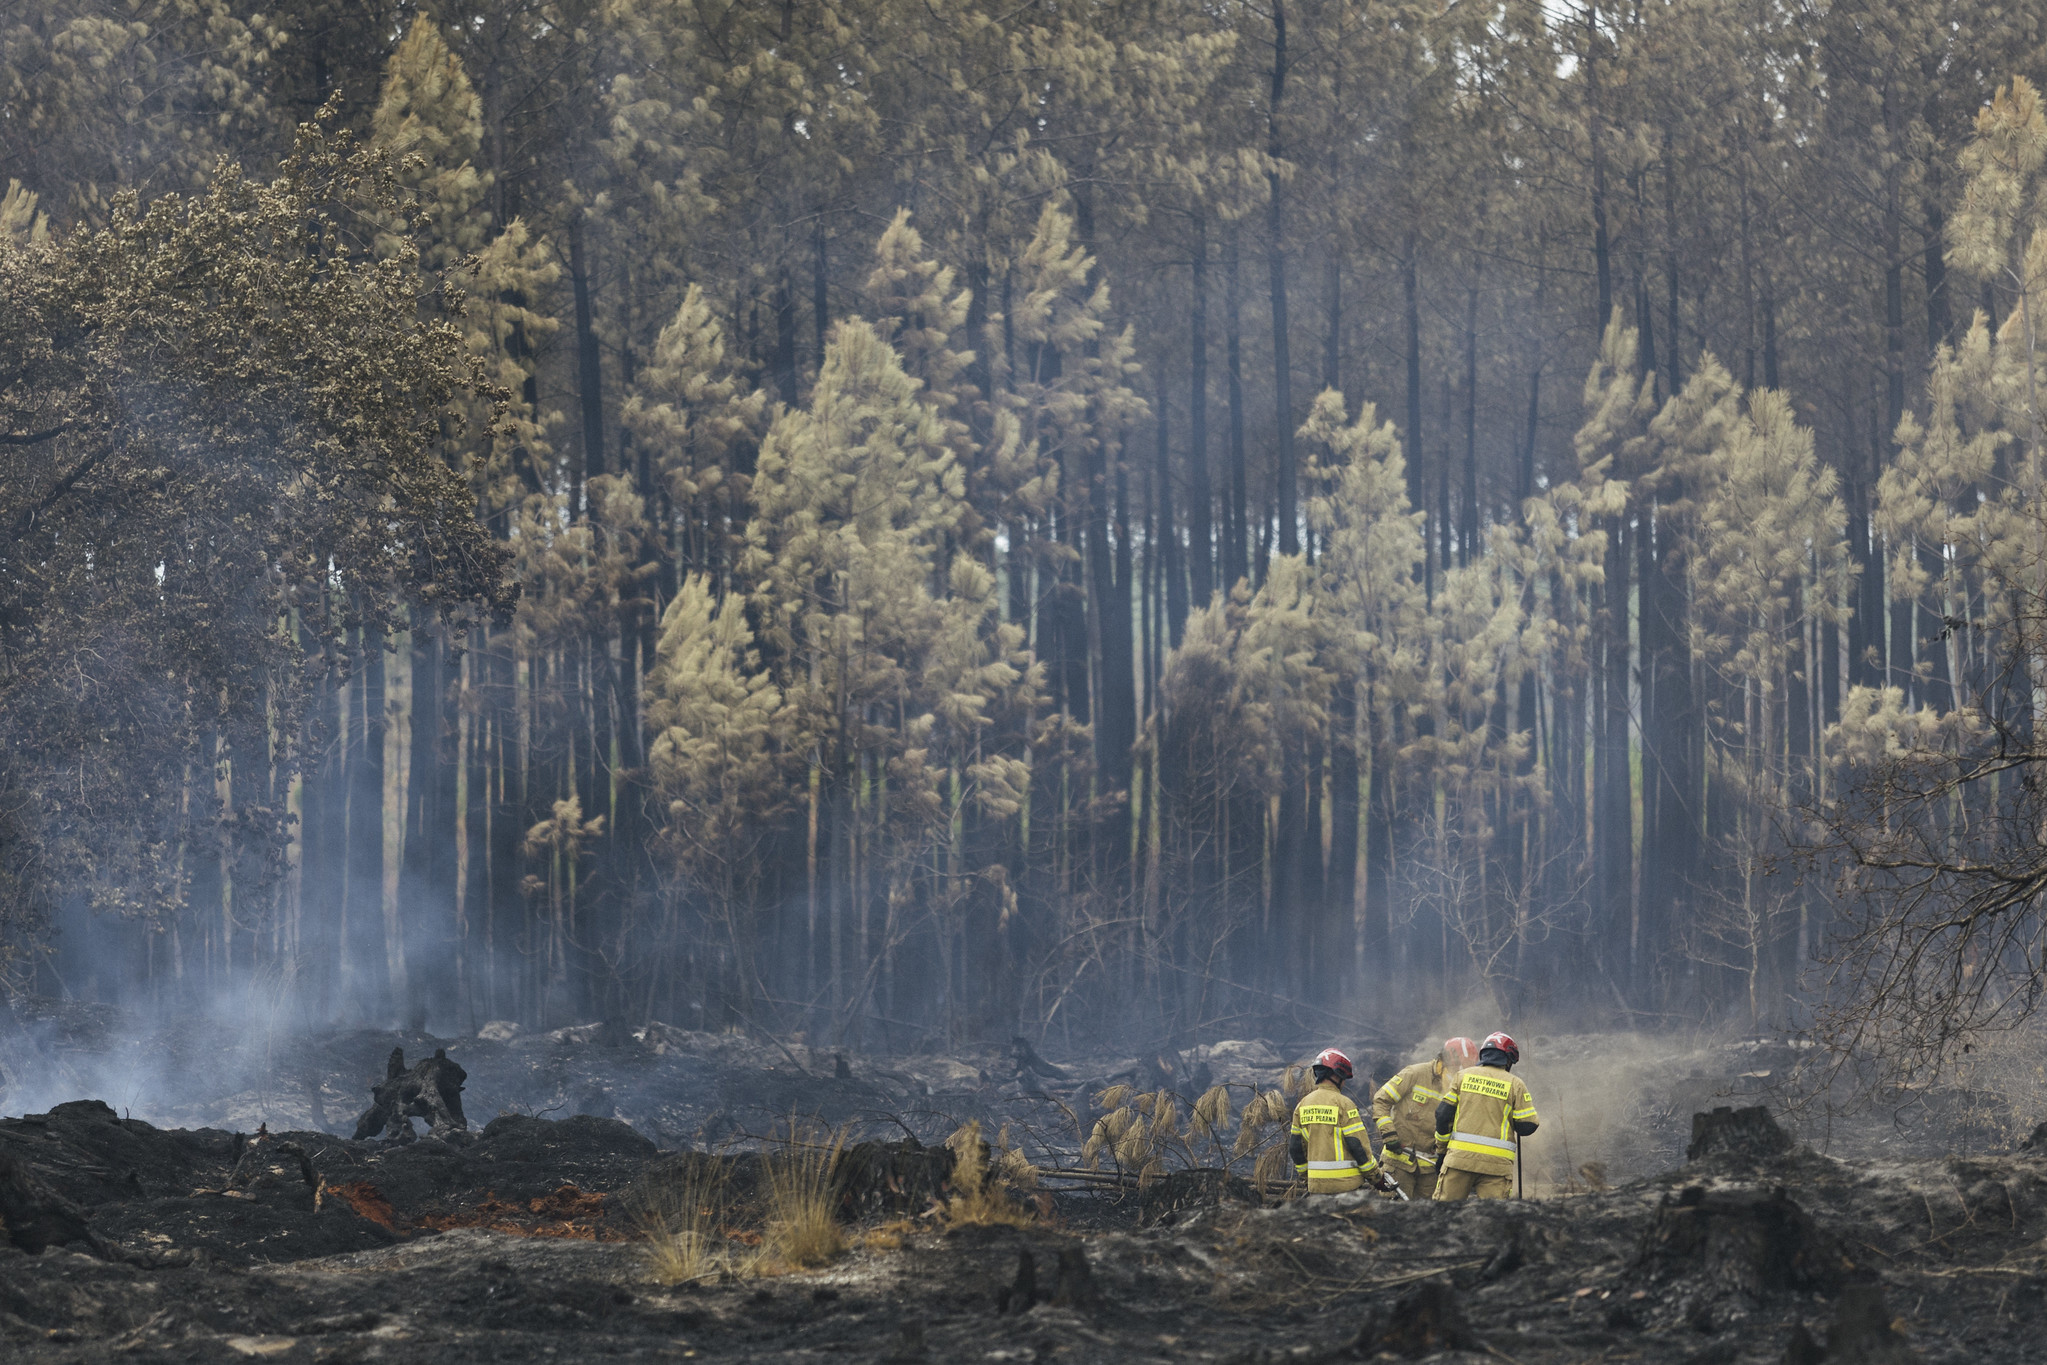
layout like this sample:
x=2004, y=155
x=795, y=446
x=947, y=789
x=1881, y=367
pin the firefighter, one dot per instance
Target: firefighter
x=1481, y=1122
x=1405, y=1111
x=1327, y=1141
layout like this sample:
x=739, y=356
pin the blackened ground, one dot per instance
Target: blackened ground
x=515, y=1247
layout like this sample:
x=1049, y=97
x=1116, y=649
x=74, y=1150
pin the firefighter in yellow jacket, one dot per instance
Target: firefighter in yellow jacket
x=1482, y=1124
x=1327, y=1141
x=1404, y=1110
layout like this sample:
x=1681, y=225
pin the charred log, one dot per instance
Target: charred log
x=1177, y=1193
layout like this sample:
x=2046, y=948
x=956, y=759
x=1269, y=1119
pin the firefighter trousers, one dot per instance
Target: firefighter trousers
x=1455, y=1185
x=1416, y=1182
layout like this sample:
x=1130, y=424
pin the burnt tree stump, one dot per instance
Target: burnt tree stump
x=891, y=1177
x=1705, y=1245
x=1421, y=1322
x=268, y=1164
x=432, y=1090
x=1749, y=1133
x=1074, y=1286
x=34, y=1217
x=1022, y=1293
x=1861, y=1334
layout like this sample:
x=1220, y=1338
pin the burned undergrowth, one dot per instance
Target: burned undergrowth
x=776, y=1237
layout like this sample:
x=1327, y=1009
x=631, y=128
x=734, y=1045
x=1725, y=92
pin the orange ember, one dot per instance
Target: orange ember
x=366, y=1199
x=569, y=1212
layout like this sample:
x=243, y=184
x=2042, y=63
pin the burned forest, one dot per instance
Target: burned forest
x=745, y=678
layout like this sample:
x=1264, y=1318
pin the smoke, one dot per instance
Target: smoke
x=1614, y=1105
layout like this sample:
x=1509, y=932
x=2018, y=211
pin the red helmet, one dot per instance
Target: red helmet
x=1500, y=1042
x=1462, y=1050
x=1329, y=1059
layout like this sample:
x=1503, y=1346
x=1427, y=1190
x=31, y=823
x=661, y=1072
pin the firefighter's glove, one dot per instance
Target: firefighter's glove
x=1392, y=1143
x=1386, y=1184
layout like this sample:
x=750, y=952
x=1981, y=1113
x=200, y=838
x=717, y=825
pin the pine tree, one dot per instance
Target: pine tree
x=1369, y=573
x=720, y=761
x=694, y=412
x=431, y=121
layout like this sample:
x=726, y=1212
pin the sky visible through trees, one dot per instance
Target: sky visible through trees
x=942, y=520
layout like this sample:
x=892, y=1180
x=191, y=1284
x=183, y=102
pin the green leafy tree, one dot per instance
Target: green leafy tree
x=223, y=452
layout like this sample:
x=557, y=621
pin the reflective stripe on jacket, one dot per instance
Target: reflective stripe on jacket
x=1405, y=1107
x=1324, y=1117
x=1489, y=1102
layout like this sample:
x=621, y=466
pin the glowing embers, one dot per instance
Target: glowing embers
x=574, y=1214
x=568, y=1212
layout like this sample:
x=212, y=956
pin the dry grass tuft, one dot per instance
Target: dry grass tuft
x=1212, y=1112
x=803, y=1224
x=979, y=1197
x=683, y=1243
x=1113, y=1097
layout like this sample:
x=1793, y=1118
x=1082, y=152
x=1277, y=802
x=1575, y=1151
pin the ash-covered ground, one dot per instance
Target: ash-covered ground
x=193, y=1194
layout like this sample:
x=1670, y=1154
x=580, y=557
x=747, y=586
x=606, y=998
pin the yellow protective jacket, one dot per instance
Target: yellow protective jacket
x=1405, y=1107
x=1492, y=1105
x=1324, y=1117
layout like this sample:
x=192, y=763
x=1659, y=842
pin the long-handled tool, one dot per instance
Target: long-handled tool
x=1405, y=1197
x=1517, y=1166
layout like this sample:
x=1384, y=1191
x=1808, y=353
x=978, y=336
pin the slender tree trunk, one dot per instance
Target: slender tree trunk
x=1613, y=815
x=1651, y=659
x=1238, y=567
x=1445, y=518
x=1282, y=369
x=1672, y=342
x=820, y=293
x=1417, y=496
x=1866, y=624
x=1345, y=809
x=1602, y=254
x=394, y=736
x=1117, y=713
x=1468, y=522
x=589, y=392
x=1168, y=534
x=1200, y=498
x=1332, y=310
x=785, y=338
